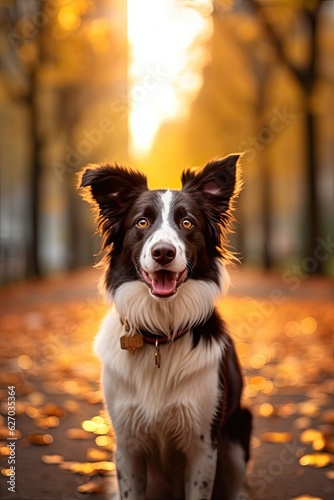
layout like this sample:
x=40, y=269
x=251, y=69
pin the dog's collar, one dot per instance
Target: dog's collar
x=153, y=338
x=138, y=338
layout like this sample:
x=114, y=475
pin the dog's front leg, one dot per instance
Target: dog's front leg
x=201, y=468
x=131, y=474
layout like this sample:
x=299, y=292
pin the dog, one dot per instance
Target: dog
x=171, y=379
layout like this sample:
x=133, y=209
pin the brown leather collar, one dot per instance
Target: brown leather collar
x=152, y=338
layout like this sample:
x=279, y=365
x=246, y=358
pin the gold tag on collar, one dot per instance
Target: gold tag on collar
x=132, y=342
x=157, y=355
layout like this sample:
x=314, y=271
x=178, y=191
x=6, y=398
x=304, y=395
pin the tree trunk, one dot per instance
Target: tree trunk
x=267, y=212
x=306, y=78
x=312, y=212
x=33, y=261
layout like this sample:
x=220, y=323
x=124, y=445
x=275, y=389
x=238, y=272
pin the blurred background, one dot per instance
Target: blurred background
x=162, y=86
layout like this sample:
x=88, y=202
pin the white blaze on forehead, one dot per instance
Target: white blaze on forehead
x=165, y=233
x=166, y=199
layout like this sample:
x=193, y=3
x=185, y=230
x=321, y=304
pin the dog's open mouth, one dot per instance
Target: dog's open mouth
x=164, y=283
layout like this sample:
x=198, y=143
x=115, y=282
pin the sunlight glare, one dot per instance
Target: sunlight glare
x=167, y=41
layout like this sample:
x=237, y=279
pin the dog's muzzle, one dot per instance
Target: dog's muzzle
x=163, y=282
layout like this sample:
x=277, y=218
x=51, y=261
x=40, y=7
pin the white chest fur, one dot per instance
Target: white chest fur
x=174, y=401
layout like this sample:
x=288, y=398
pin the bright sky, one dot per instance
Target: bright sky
x=167, y=40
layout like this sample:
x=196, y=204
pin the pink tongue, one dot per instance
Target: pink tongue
x=164, y=282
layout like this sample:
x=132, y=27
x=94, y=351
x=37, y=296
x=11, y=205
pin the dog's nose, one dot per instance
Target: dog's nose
x=163, y=253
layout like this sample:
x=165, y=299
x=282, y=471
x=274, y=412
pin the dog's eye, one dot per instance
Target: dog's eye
x=142, y=223
x=187, y=223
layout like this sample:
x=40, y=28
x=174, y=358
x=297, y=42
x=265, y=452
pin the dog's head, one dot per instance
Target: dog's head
x=162, y=237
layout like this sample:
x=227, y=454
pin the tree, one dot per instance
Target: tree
x=22, y=52
x=306, y=76
x=72, y=55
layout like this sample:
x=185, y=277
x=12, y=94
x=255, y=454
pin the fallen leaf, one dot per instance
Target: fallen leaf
x=286, y=410
x=308, y=408
x=71, y=406
x=94, y=397
x=90, y=487
x=319, y=444
x=39, y=439
x=47, y=422
x=83, y=468
x=36, y=398
x=53, y=410
x=309, y=435
x=107, y=442
x=4, y=433
x=75, y=433
x=317, y=460
x=104, y=466
x=306, y=497
x=264, y=410
x=6, y=472
x=276, y=437
x=33, y=412
x=95, y=454
x=66, y=465
x=302, y=422
x=52, y=459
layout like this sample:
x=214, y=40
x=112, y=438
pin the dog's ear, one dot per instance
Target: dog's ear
x=111, y=184
x=215, y=186
x=111, y=189
x=218, y=182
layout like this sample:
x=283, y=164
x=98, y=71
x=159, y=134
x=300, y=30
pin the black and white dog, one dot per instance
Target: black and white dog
x=171, y=379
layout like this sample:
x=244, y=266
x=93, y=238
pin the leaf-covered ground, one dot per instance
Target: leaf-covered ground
x=63, y=442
